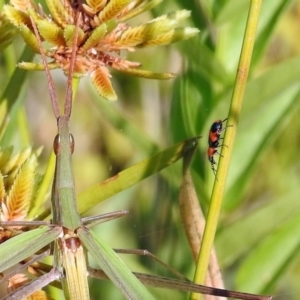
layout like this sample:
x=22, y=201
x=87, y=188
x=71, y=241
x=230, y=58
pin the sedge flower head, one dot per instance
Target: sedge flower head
x=102, y=34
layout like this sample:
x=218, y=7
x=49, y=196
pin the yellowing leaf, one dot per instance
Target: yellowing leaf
x=19, y=197
x=51, y=32
x=100, y=78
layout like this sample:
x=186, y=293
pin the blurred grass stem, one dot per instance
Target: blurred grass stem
x=230, y=133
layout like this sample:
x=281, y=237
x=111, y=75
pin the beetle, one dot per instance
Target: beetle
x=214, y=141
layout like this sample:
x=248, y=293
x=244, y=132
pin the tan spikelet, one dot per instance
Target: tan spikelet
x=100, y=78
x=112, y=9
x=16, y=281
x=19, y=280
x=20, y=195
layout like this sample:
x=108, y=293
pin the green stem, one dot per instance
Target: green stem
x=234, y=112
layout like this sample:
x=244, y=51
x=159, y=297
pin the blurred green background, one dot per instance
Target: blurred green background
x=258, y=234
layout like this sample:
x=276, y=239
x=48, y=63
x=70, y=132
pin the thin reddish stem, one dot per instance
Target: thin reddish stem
x=51, y=86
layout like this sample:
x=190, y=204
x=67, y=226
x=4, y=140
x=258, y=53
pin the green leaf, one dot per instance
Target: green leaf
x=277, y=95
x=270, y=257
x=271, y=12
x=134, y=174
x=26, y=244
x=283, y=209
x=11, y=98
x=113, y=266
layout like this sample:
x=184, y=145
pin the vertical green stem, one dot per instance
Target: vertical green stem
x=235, y=109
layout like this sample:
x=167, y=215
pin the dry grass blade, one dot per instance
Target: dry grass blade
x=194, y=224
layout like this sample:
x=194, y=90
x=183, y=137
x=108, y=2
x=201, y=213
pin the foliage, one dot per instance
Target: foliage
x=257, y=238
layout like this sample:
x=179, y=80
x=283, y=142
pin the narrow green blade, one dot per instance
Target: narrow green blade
x=113, y=266
x=26, y=244
x=134, y=174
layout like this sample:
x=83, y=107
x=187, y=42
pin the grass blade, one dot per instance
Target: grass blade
x=113, y=266
x=134, y=174
x=25, y=245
